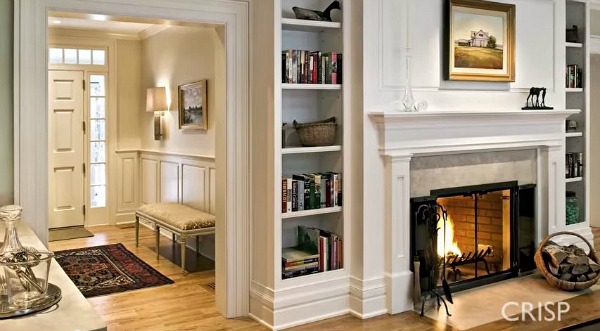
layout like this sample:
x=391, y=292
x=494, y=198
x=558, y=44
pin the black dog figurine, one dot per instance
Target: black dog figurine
x=315, y=15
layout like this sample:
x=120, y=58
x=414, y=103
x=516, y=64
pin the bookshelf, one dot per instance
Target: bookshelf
x=310, y=102
x=577, y=97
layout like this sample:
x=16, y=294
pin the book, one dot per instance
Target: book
x=294, y=195
x=289, y=195
x=290, y=264
x=316, y=203
x=305, y=195
x=301, y=272
x=302, y=266
x=295, y=254
x=308, y=239
x=284, y=195
x=340, y=69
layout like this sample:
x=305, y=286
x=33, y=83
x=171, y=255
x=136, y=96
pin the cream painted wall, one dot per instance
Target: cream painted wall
x=129, y=94
x=178, y=56
x=6, y=102
x=595, y=22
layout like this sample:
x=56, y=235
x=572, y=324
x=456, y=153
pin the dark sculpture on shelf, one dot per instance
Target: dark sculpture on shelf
x=535, y=92
x=315, y=15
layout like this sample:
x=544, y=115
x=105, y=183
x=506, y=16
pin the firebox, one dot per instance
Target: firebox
x=473, y=235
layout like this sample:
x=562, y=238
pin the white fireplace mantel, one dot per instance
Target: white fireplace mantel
x=439, y=132
x=404, y=135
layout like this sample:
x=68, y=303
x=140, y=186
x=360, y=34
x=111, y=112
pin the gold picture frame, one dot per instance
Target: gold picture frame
x=479, y=41
x=192, y=106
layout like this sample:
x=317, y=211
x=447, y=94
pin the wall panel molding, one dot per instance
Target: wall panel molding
x=153, y=176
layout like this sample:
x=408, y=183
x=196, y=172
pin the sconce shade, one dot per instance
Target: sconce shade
x=156, y=99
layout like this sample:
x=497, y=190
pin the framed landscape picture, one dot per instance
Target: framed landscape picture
x=480, y=41
x=192, y=106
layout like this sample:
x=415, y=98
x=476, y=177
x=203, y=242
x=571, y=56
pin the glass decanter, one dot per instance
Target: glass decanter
x=10, y=215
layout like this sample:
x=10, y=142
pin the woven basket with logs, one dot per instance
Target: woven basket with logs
x=567, y=267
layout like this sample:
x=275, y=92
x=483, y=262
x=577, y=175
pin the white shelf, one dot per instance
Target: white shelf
x=292, y=24
x=312, y=212
x=573, y=134
x=573, y=180
x=573, y=45
x=305, y=150
x=288, y=86
x=573, y=90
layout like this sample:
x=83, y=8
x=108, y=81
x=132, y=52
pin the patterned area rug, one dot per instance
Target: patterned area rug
x=108, y=269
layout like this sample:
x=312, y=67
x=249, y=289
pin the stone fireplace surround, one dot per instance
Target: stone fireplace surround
x=405, y=135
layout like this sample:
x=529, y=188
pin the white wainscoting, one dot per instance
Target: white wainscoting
x=151, y=176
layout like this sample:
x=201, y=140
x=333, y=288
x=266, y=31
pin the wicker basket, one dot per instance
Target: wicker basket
x=314, y=134
x=553, y=280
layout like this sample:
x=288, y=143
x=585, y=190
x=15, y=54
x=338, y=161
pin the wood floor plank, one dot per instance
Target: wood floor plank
x=188, y=305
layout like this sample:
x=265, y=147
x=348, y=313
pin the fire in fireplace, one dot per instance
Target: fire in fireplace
x=475, y=235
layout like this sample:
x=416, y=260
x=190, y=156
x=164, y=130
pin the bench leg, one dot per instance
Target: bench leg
x=137, y=230
x=182, y=243
x=157, y=228
x=197, y=245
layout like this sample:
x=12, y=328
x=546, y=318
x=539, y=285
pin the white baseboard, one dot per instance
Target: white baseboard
x=399, y=292
x=367, y=297
x=125, y=217
x=300, y=304
x=584, y=231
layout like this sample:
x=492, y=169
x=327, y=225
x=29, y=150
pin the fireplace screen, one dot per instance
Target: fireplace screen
x=469, y=236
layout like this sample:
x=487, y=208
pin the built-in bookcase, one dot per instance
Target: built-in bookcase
x=308, y=103
x=577, y=97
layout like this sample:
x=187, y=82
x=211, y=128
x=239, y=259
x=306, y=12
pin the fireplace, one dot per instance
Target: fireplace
x=405, y=137
x=473, y=235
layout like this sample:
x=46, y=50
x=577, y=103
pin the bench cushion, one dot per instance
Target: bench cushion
x=178, y=216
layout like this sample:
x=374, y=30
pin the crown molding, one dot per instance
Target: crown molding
x=151, y=31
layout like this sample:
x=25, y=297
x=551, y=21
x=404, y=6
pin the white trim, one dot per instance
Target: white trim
x=166, y=153
x=151, y=31
x=31, y=150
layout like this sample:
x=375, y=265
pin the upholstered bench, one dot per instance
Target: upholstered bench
x=179, y=219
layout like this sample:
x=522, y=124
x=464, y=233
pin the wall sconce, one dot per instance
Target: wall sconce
x=156, y=102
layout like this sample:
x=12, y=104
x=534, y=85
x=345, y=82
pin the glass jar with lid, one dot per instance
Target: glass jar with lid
x=572, y=208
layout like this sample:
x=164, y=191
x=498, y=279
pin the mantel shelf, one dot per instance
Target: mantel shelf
x=306, y=25
x=396, y=116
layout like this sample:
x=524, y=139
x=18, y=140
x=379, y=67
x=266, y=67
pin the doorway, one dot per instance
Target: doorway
x=31, y=173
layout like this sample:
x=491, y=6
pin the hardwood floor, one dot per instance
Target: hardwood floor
x=188, y=305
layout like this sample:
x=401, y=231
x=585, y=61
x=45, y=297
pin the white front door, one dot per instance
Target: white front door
x=65, y=141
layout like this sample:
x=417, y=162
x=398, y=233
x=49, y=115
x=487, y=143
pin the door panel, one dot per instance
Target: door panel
x=66, y=138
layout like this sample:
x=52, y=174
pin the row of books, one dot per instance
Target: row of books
x=574, y=166
x=317, y=251
x=574, y=76
x=311, y=191
x=311, y=67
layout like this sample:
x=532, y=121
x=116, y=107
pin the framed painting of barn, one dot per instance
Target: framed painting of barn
x=479, y=41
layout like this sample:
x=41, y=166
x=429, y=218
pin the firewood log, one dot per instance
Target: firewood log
x=578, y=260
x=565, y=268
x=593, y=265
x=556, y=254
x=580, y=269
